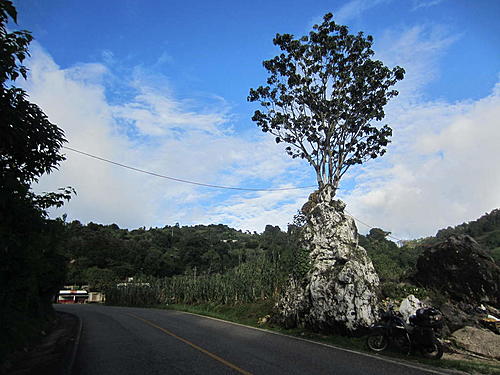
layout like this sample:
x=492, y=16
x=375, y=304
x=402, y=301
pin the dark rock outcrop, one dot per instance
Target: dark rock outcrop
x=456, y=318
x=461, y=269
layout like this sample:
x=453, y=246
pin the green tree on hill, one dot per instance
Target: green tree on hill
x=391, y=262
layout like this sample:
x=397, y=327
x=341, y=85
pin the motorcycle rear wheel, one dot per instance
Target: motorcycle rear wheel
x=404, y=344
x=433, y=352
x=377, y=342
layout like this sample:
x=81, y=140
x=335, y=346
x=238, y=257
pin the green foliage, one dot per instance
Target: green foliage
x=377, y=234
x=391, y=262
x=399, y=291
x=394, y=265
x=477, y=228
x=302, y=264
x=31, y=266
x=298, y=262
x=100, y=279
x=199, y=264
x=251, y=281
x=169, y=251
x=322, y=93
x=495, y=254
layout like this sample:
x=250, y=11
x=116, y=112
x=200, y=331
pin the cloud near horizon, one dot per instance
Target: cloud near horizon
x=155, y=132
x=441, y=168
x=442, y=177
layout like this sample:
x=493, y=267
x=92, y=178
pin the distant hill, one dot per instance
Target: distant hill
x=485, y=230
x=100, y=254
x=395, y=263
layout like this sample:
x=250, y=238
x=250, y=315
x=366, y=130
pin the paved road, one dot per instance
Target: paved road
x=122, y=341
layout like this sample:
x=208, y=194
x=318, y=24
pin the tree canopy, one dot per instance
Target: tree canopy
x=30, y=143
x=31, y=266
x=165, y=252
x=322, y=94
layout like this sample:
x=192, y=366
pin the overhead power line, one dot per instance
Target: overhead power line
x=180, y=179
x=203, y=184
x=370, y=226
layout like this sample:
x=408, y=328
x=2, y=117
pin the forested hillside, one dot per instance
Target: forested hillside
x=391, y=262
x=205, y=263
x=103, y=254
x=99, y=254
x=395, y=263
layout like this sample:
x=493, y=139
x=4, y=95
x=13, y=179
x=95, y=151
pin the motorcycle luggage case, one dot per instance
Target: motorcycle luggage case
x=427, y=317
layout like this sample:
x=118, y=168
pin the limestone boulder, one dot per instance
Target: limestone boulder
x=409, y=307
x=340, y=290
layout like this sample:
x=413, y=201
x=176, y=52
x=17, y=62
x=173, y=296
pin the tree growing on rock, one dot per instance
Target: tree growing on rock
x=324, y=97
x=323, y=94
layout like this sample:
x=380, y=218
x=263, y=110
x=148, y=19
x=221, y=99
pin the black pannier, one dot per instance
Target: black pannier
x=427, y=317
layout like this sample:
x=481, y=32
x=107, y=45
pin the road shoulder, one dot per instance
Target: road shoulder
x=54, y=354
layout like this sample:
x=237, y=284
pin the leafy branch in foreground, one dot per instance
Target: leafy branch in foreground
x=31, y=266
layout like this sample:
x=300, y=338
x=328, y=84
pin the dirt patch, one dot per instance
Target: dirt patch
x=51, y=355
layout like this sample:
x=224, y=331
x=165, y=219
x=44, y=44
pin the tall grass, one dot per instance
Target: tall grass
x=252, y=281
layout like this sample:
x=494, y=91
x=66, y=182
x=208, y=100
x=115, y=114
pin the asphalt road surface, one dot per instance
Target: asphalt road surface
x=122, y=341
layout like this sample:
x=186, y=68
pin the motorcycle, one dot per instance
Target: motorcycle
x=420, y=333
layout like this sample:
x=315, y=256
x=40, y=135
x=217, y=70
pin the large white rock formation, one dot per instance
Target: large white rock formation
x=339, y=292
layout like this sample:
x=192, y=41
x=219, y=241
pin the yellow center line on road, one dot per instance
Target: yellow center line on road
x=204, y=351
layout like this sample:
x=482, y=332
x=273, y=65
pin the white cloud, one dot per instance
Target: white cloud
x=156, y=114
x=441, y=168
x=75, y=100
x=418, y=4
x=440, y=175
x=417, y=49
x=255, y=210
x=354, y=9
x=156, y=132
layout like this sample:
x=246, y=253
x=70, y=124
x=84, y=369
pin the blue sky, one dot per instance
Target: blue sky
x=162, y=86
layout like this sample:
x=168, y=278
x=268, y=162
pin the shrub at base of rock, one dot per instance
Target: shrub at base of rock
x=339, y=293
x=461, y=269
